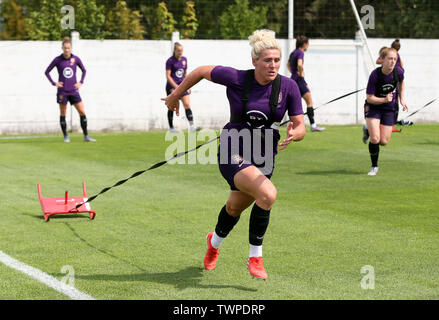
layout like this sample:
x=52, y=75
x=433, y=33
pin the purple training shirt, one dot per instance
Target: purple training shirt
x=177, y=67
x=372, y=84
x=294, y=56
x=259, y=100
x=67, y=73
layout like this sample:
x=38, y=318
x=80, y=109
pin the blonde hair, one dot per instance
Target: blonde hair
x=261, y=40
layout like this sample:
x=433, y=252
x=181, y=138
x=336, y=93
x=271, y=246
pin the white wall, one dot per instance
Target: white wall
x=126, y=79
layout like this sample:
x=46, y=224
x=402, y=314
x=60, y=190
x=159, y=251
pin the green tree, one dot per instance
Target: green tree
x=165, y=23
x=45, y=23
x=14, y=22
x=189, y=23
x=90, y=19
x=238, y=21
x=124, y=23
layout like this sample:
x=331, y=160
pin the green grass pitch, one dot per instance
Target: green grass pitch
x=148, y=238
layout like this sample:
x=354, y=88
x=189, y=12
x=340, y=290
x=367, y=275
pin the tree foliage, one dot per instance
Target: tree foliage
x=123, y=23
x=314, y=18
x=164, y=22
x=14, y=22
x=239, y=21
x=189, y=21
x=45, y=23
x=90, y=19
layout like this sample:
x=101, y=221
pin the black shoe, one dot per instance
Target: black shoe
x=365, y=135
x=405, y=122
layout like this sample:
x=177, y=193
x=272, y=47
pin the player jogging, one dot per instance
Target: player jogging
x=396, y=44
x=381, y=103
x=176, y=69
x=258, y=100
x=68, y=87
x=295, y=66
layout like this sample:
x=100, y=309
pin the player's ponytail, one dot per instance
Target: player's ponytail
x=396, y=45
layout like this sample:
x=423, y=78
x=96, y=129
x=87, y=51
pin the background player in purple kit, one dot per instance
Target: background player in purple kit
x=396, y=44
x=176, y=69
x=385, y=86
x=295, y=66
x=249, y=183
x=68, y=87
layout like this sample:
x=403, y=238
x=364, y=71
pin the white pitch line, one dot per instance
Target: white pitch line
x=44, y=278
x=25, y=137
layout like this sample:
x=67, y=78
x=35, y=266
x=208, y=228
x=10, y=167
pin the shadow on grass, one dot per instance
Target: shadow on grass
x=190, y=277
x=429, y=143
x=59, y=216
x=331, y=172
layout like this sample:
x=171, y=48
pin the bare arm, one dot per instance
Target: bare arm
x=300, y=68
x=192, y=79
x=295, y=131
x=401, y=91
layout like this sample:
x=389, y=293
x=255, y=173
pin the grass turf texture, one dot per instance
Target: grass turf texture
x=148, y=239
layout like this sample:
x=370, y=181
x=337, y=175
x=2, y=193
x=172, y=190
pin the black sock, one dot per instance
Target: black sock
x=62, y=122
x=374, y=150
x=170, y=118
x=259, y=219
x=310, y=113
x=83, y=120
x=225, y=223
x=189, y=116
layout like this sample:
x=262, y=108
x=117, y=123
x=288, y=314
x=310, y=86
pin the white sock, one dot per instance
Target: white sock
x=216, y=240
x=255, y=251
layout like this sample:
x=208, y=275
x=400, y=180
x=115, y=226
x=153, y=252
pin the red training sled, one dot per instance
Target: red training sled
x=65, y=205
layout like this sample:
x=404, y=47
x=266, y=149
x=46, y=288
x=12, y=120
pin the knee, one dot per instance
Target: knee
x=375, y=139
x=384, y=142
x=267, y=198
x=233, y=210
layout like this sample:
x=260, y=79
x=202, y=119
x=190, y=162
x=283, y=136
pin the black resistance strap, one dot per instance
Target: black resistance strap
x=181, y=154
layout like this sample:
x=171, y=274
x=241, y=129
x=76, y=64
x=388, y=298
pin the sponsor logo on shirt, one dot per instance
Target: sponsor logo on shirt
x=179, y=73
x=72, y=61
x=67, y=72
x=237, y=159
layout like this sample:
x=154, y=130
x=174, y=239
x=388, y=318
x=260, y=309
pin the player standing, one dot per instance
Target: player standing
x=295, y=66
x=176, y=70
x=68, y=87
